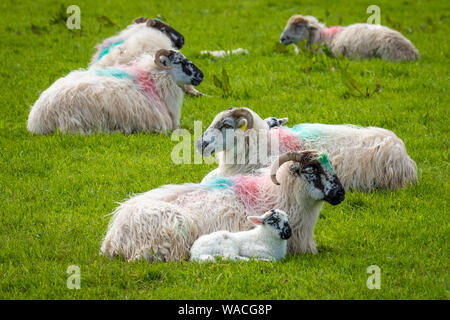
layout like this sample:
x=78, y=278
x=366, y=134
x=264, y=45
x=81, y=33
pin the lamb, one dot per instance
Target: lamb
x=144, y=36
x=163, y=223
x=141, y=96
x=360, y=40
x=268, y=241
x=364, y=158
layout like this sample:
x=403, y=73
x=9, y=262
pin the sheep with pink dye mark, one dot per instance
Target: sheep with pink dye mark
x=141, y=96
x=364, y=158
x=162, y=224
x=360, y=40
x=143, y=36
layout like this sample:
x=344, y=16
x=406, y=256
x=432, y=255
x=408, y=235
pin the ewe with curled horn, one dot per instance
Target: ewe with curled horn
x=244, y=113
x=163, y=223
x=159, y=54
x=300, y=157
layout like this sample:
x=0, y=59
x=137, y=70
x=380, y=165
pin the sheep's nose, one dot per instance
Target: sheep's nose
x=282, y=39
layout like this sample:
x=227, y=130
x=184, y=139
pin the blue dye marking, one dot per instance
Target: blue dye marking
x=105, y=50
x=219, y=183
x=307, y=131
x=113, y=72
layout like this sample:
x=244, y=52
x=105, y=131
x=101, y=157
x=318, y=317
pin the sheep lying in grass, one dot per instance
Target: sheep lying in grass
x=142, y=96
x=144, y=36
x=268, y=241
x=162, y=224
x=364, y=158
x=360, y=40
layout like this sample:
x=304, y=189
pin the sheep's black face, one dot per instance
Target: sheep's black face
x=174, y=36
x=182, y=69
x=278, y=220
x=322, y=181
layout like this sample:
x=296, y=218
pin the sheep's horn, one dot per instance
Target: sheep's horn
x=241, y=112
x=151, y=22
x=140, y=20
x=165, y=53
x=285, y=157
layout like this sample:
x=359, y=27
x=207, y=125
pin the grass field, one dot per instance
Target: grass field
x=56, y=190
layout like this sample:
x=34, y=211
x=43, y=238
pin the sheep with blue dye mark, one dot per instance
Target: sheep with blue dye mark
x=268, y=241
x=163, y=223
x=141, y=96
x=144, y=36
x=360, y=40
x=364, y=158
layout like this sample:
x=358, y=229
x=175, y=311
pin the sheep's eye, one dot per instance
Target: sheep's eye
x=227, y=126
x=309, y=170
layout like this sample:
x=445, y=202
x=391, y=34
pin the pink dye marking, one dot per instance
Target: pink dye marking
x=286, y=139
x=144, y=80
x=329, y=33
x=249, y=189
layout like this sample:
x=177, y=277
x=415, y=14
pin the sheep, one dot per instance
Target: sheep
x=142, y=36
x=141, y=96
x=360, y=40
x=163, y=223
x=364, y=158
x=268, y=241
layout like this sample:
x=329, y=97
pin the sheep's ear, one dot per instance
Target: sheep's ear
x=283, y=121
x=256, y=220
x=242, y=124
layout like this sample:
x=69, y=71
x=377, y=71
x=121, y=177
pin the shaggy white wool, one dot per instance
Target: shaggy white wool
x=85, y=102
x=364, y=158
x=162, y=224
x=267, y=241
x=360, y=40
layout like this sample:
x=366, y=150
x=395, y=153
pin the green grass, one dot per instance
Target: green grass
x=56, y=190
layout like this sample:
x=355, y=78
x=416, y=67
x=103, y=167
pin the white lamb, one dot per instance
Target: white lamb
x=141, y=96
x=268, y=241
x=360, y=40
x=364, y=158
x=143, y=36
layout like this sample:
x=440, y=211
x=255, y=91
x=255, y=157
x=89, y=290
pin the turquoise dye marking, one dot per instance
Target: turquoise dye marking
x=106, y=49
x=306, y=131
x=219, y=183
x=113, y=72
x=323, y=159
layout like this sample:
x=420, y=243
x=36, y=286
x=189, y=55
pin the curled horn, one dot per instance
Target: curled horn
x=151, y=22
x=241, y=112
x=165, y=53
x=140, y=20
x=288, y=156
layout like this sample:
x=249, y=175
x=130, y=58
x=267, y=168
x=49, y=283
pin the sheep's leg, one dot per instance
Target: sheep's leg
x=190, y=90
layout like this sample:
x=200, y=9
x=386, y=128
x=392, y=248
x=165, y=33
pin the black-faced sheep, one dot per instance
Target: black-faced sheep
x=163, y=223
x=143, y=36
x=141, y=96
